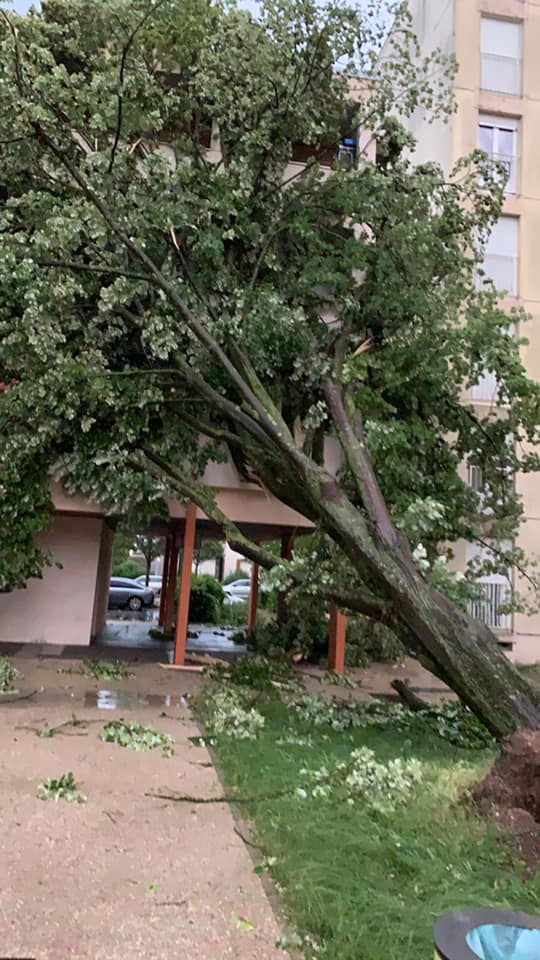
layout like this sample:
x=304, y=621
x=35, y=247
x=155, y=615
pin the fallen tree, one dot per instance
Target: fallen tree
x=157, y=294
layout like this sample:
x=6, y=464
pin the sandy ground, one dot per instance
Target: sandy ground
x=123, y=875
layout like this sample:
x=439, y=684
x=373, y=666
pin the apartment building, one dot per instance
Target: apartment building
x=497, y=92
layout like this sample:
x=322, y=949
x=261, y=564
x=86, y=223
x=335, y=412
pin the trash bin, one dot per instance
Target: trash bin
x=487, y=935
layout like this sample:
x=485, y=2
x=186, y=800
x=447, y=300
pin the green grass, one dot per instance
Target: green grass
x=367, y=886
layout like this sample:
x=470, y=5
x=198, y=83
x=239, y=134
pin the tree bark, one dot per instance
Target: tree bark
x=408, y=697
x=461, y=651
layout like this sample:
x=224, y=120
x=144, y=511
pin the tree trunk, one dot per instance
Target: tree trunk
x=461, y=651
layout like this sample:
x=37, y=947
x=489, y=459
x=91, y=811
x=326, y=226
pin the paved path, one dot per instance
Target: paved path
x=122, y=876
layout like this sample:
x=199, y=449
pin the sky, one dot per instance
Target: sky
x=21, y=6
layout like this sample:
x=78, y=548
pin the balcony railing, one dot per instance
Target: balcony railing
x=511, y=165
x=475, y=477
x=486, y=609
x=487, y=390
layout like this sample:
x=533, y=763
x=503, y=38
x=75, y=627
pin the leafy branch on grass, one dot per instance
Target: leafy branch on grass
x=450, y=721
x=104, y=669
x=137, y=736
x=8, y=675
x=359, y=777
x=61, y=788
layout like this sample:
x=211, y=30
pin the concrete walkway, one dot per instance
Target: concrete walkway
x=123, y=875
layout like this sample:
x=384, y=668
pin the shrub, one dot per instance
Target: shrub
x=305, y=632
x=127, y=568
x=235, y=614
x=206, y=601
x=369, y=642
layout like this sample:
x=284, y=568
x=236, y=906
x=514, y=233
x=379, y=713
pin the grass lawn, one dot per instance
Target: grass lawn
x=366, y=885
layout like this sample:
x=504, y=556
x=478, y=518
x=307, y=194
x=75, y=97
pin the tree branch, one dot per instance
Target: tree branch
x=360, y=601
x=127, y=46
x=87, y=267
x=359, y=463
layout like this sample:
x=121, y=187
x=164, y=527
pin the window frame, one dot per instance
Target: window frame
x=499, y=124
x=502, y=58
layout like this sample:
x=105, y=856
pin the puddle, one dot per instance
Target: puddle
x=123, y=700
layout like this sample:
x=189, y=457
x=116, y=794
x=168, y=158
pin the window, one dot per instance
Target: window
x=499, y=138
x=501, y=46
x=501, y=255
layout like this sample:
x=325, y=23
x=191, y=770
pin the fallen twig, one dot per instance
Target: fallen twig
x=25, y=696
x=59, y=728
x=248, y=843
x=187, y=798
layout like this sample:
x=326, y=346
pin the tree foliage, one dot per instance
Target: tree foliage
x=157, y=291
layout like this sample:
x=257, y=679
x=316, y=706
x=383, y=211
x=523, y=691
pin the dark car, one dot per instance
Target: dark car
x=124, y=593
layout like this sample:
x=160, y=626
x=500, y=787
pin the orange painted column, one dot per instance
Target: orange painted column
x=253, y=597
x=182, y=618
x=336, y=641
x=164, y=581
x=168, y=612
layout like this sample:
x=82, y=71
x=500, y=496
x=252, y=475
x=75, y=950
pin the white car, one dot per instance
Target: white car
x=238, y=591
x=154, y=583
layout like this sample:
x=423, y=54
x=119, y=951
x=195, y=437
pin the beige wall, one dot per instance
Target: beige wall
x=57, y=609
x=455, y=25
x=526, y=205
x=433, y=24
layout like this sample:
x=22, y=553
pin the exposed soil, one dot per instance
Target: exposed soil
x=510, y=793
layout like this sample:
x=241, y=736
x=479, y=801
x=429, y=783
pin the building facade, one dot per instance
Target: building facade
x=497, y=94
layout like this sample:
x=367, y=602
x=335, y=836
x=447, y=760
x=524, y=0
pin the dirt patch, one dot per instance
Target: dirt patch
x=510, y=793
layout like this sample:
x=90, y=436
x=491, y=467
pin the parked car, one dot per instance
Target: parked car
x=129, y=594
x=154, y=583
x=238, y=591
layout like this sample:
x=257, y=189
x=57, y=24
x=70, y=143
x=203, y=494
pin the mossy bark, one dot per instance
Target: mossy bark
x=461, y=651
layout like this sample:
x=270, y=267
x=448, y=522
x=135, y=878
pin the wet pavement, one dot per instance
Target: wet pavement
x=134, y=632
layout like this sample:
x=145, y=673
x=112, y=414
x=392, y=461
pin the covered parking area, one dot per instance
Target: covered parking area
x=68, y=606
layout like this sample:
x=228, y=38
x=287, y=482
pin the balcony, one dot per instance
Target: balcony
x=486, y=609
